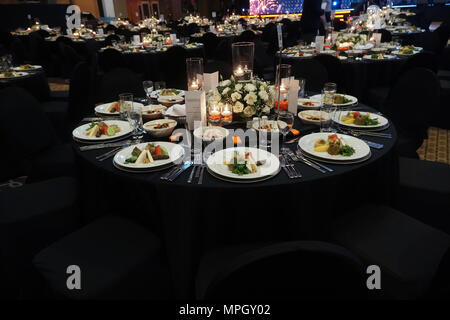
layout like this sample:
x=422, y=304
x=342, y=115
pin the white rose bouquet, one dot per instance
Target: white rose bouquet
x=248, y=98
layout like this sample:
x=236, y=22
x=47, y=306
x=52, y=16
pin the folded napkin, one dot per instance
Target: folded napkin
x=363, y=47
x=177, y=110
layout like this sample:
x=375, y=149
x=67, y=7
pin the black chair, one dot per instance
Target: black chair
x=334, y=69
x=268, y=31
x=110, y=28
x=210, y=41
x=117, y=259
x=424, y=191
x=312, y=71
x=246, y=36
x=70, y=58
x=18, y=51
x=115, y=82
x=407, y=251
x=192, y=28
x=290, y=270
x=415, y=90
x=386, y=36
x=34, y=152
x=224, y=68
x=144, y=30
x=174, y=66
x=31, y=218
x=110, y=59
x=378, y=95
x=109, y=39
x=223, y=51
x=43, y=33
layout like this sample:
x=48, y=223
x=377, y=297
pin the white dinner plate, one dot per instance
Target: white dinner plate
x=157, y=93
x=170, y=99
x=353, y=100
x=15, y=75
x=271, y=166
x=305, y=116
x=242, y=181
x=80, y=132
x=32, y=68
x=304, y=103
x=306, y=144
x=101, y=109
x=211, y=133
x=337, y=162
x=148, y=170
x=176, y=153
x=403, y=54
x=382, y=121
x=385, y=57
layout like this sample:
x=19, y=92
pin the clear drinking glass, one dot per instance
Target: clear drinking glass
x=285, y=121
x=159, y=85
x=148, y=88
x=125, y=104
x=135, y=121
x=328, y=106
x=301, y=87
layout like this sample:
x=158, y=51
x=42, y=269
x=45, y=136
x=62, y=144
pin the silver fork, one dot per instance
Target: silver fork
x=197, y=164
x=108, y=154
x=289, y=163
x=284, y=167
x=202, y=168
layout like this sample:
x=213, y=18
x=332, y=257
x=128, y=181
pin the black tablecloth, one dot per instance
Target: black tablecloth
x=358, y=76
x=192, y=218
x=34, y=82
x=150, y=63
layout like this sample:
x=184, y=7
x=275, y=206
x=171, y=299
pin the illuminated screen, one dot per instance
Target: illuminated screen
x=275, y=6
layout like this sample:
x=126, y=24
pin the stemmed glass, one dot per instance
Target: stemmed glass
x=285, y=121
x=148, y=88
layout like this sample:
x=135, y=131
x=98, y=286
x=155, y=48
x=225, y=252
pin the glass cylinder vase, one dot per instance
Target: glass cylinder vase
x=243, y=57
x=194, y=71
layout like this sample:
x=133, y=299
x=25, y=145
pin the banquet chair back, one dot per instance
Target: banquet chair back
x=111, y=28
x=18, y=51
x=80, y=93
x=110, y=59
x=174, y=66
x=290, y=270
x=109, y=39
x=334, y=68
x=210, y=41
x=430, y=41
x=223, y=67
x=268, y=32
x=24, y=129
x=423, y=59
x=246, y=36
x=386, y=36
x=70, y=59
x=117, y=81
x=223, y=51
x=312, y=71
x=192, y=28
x=411, y=103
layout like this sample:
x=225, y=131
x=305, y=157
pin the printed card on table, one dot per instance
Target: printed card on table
x=294, y=86
x=195, y=108
x=319, y=43
x=210, y=81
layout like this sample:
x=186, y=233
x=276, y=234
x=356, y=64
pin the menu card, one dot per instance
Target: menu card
x=212, y=29
x=294, y=86
x=319, y=43
x=136, y=39
x=195, y=108
x=100, y=31
x=210, y=81
x=173, y=38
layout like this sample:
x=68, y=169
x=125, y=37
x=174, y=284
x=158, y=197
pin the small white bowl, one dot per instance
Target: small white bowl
x=164, y=132
x=201, y=133
x=168, y=101
x=148, y=112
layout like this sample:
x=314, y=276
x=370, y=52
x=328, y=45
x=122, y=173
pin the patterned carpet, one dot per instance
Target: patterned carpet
x=436, y=147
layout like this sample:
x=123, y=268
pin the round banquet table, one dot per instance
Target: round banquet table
x=192, y=218
x=35, y=82
x=150, y=63
x=358, y=76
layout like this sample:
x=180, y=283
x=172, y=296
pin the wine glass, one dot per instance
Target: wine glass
x=159, y=85
x=148, y=88
x=285, y=121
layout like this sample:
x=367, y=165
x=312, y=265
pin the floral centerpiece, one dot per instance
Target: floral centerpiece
x=248, y=98
x=349, y=40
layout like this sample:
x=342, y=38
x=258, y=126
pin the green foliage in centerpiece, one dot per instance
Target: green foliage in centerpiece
x=248, y=98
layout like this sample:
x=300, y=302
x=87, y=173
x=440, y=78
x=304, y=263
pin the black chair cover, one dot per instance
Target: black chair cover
x=117, y=81
x=312, y=71
x=110, y=59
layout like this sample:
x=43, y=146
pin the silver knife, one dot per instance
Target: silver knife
x=186, y=165
x=105, y=145
x=374, y=144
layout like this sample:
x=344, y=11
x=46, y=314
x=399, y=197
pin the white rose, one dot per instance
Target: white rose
x=235, y=96
x=238, y=87
x=248, y=111
x=225, y=91
x=225, y=83
x=263, y=95
x=250, y=87
x=251, y=98
x=238, y=107
x=266, y=110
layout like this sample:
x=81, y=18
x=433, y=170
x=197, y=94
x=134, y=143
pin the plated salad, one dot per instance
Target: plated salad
x=341, y=99
x=334, y=146
x=169, y=92
x=359, y=119
x=242, y=164
x=149, y=154
x=97, y=129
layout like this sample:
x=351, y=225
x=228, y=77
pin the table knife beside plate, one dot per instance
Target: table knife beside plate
x=106, y=145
